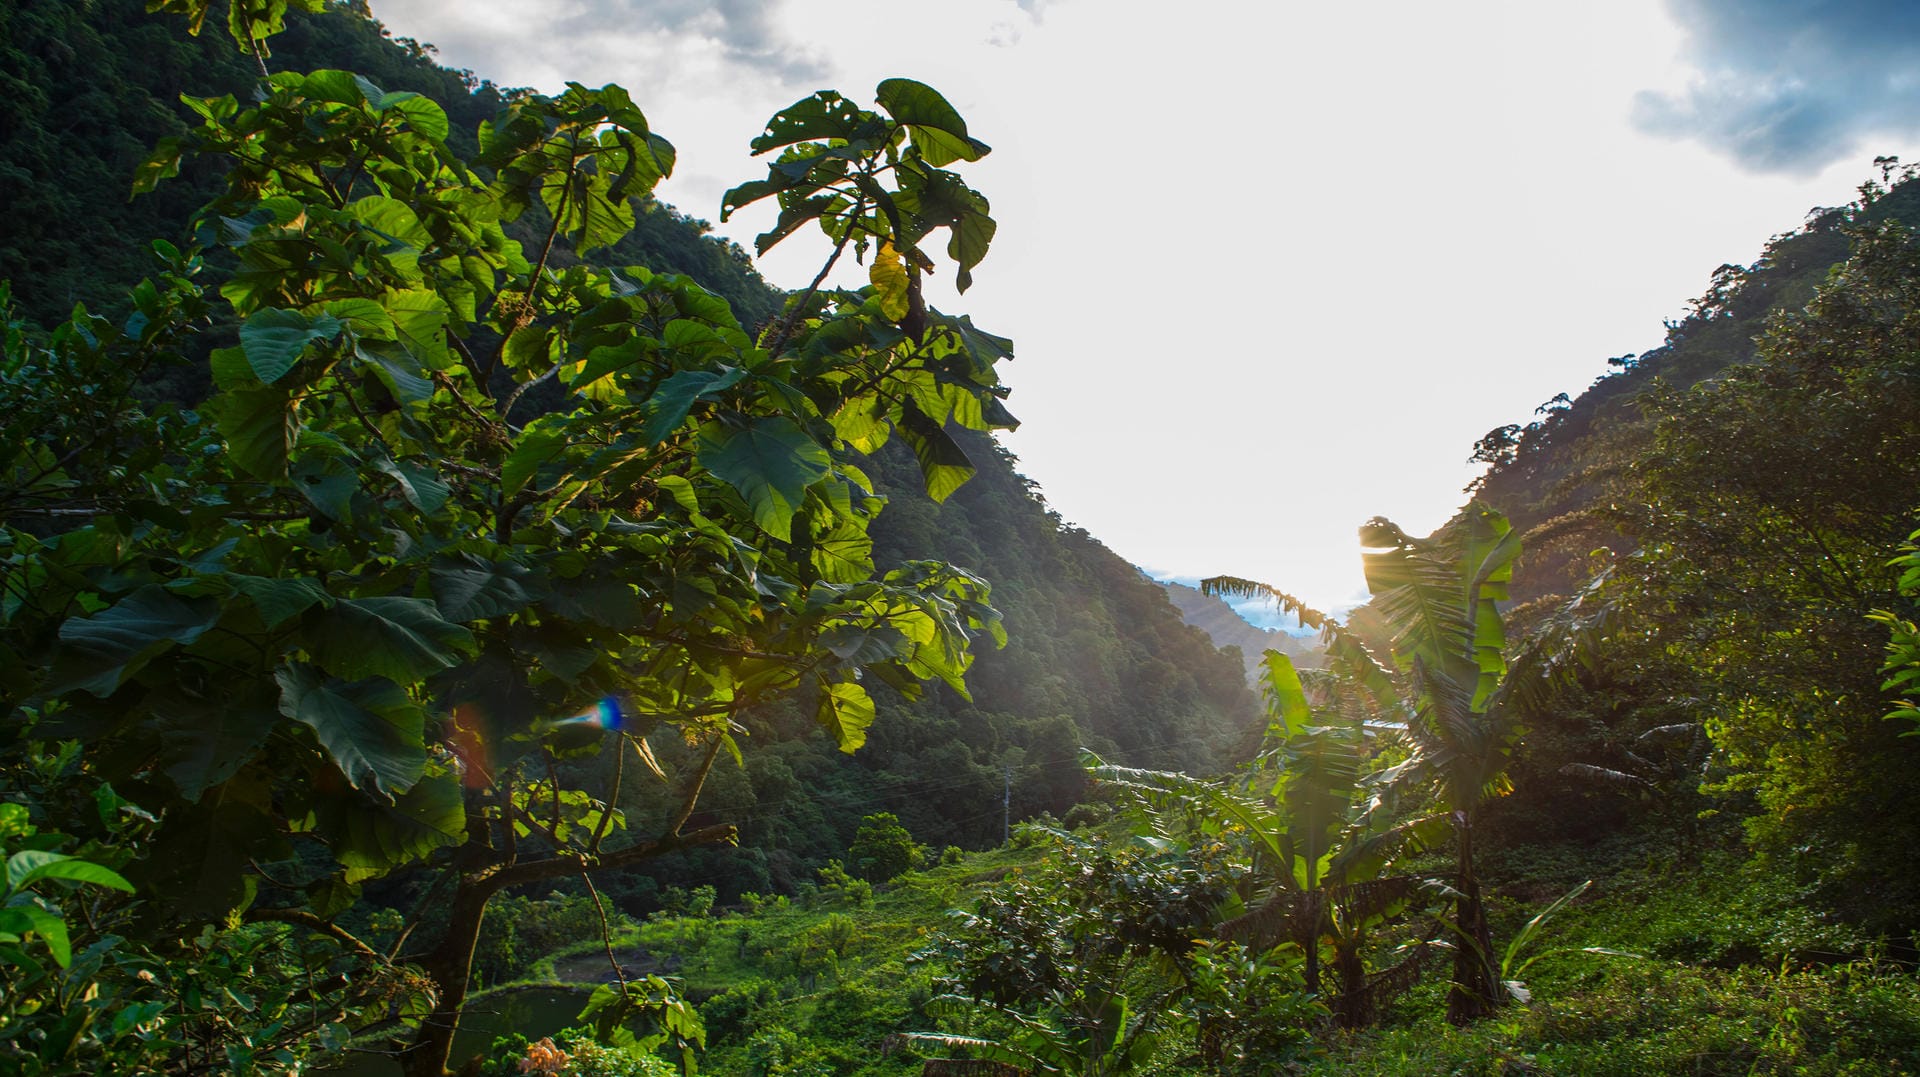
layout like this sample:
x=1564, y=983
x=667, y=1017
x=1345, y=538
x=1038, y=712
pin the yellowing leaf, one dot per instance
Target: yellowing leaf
x=889, y=276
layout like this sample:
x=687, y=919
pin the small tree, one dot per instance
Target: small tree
x=1087, y=958
x=883, y=849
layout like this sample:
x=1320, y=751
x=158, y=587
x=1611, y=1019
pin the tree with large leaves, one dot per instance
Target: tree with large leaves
x=455, y=512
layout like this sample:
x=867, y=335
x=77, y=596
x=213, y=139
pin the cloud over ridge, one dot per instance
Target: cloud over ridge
x=1792, y=85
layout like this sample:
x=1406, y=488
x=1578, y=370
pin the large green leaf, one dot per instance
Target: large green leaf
x=204, y=741
x=274, y=339
x=467, y=588
x=771, y=463
x=52, y=929
x=844, y=554
x=667, y=408
x=401, y=639
x=944, y=465
x=29, y=866
x=397, y=221
x=1286, y=699
x=936, y=127
x=372, y=837
x=538, y=444
x=845, y=711
x=863, y=644
x=260, y=427
x=418, y=484
x=423, y=115
x=369, y=727
x=278, y=599
x=97, y=654
x=420, y=321
x=825, y=115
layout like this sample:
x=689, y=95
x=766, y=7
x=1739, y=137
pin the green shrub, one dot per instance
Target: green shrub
x=733, y=1014
x=883, y=849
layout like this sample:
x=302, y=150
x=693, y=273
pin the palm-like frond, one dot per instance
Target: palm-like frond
x=1161, y=790
x=1373, y=899
x=971, y=1067
x=1383, y=985
x=1232, y=587
x=1343, y=648
x=1605, y=775
x=1416, y=588
x=1288, y=916
x=1566, y=642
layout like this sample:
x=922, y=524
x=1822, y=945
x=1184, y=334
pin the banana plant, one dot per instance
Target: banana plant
x=1316, y=821
x=1440, y=597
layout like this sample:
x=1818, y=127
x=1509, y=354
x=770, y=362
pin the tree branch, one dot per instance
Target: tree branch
x=800, y=305
x=313, y=923
x=531, y=871
x=606, y=935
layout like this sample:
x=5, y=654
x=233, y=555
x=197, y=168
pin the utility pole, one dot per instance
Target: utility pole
x=1006, y=807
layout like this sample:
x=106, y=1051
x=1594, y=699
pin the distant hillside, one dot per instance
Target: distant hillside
x=1228, y=629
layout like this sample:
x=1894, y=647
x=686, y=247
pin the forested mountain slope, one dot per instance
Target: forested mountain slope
x=1711, y=527
x=1096, y=656
x=1562, y=466
x=91, y=88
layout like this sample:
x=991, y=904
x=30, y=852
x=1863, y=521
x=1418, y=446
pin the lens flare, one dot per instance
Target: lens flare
x=469, y=745
x=604, y=714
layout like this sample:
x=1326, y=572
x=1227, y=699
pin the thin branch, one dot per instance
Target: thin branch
x=524, y=316
x=313, y=923
x=511, y=840
x=699, y=782
x=800, y=305
x=553, y=785
x=480, y=377
x=379, y=438
x=419, y=914
x=441, y=379
x=520, y=390
x=606, y=935
x=536, y=825
x=608, y=807
x=572, y=864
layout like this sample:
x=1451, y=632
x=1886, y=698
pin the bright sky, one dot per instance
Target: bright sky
x=1271, y=269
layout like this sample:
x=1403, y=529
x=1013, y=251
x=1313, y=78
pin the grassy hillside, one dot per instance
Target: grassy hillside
x=1695, y=967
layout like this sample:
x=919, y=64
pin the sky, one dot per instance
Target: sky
x=1272, y=268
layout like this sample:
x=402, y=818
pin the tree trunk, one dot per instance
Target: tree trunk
x=449, y=966
x=1476, y=981
x=1352, y=1007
